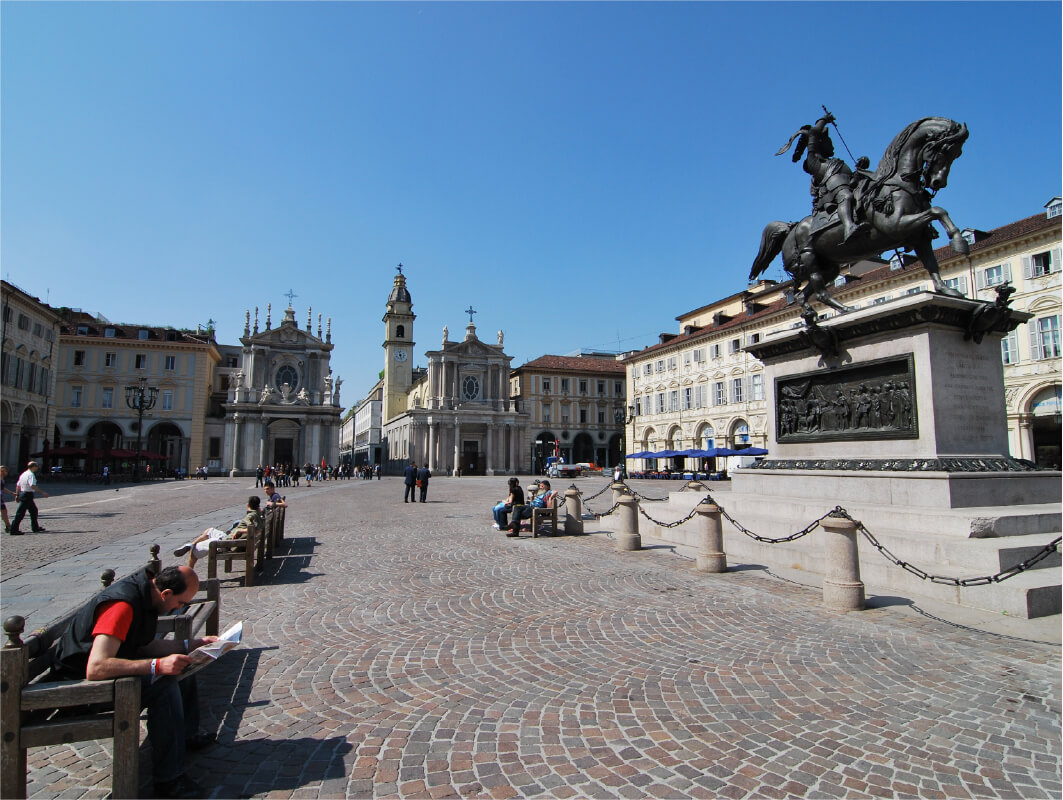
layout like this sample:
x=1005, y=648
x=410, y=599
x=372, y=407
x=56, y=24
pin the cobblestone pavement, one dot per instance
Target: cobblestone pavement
x=412, y=651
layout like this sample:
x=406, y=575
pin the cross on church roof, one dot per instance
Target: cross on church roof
x=399, y=268
x=470, y=311
x=291, y=296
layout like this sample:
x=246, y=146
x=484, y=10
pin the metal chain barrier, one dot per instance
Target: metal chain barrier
x=600, y=514
x=647, y=499
x=678, y=522
x=1003, y=575
x=767, y=539
x=593, y=496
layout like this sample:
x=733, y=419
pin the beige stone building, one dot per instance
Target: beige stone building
x=98, y=359
x=698, y=388
x=30, y=334
x=575, y=407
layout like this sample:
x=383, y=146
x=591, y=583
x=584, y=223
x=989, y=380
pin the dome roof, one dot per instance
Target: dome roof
x=399, y=292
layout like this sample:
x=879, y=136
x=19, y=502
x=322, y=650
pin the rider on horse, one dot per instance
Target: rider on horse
x=831, y=177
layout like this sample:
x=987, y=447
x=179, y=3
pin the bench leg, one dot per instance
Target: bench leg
x=249, y=562
x=124, y=770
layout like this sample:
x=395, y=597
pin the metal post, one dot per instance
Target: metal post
x=573, y=512
x=627, y=533
x=711, y=557
x=842, y=588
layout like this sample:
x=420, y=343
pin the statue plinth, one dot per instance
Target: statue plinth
x=909, y=410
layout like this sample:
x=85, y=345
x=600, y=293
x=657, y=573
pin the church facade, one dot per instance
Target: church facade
x=282, y=403
x=456, y=415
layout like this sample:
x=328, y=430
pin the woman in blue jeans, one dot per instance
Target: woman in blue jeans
x=501, y=510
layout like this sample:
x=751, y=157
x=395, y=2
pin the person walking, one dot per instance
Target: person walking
x=25, y=490
x=410, y=479
x=423, y=474
x=259, y=475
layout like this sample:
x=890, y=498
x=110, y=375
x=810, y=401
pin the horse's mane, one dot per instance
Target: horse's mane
x=952, y=133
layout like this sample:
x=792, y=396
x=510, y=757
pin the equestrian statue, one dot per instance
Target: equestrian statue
x=858, y=214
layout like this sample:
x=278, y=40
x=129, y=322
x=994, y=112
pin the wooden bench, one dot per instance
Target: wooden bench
x=36, y=712
x=274, y=529
x=547, y=515
x=247, y=549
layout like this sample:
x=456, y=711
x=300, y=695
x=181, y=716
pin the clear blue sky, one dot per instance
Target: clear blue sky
x=580, y=173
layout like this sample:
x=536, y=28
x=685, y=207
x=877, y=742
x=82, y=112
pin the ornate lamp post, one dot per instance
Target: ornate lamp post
x=140, y=397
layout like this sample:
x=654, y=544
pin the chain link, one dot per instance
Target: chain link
x=767, y=539
x=593, y=496
x=600, y=514
x=678, y=522
x=984, y=580
x=647, y=499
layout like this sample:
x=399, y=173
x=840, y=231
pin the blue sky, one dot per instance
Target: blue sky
x=580, y=173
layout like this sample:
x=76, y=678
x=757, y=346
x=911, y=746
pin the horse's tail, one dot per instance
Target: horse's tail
x=770, y=245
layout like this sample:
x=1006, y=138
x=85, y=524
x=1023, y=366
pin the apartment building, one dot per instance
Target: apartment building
x=30, y=334
x=576, y=408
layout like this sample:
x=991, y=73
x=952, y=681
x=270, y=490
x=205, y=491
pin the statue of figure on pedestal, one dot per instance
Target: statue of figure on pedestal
x=501, y=336
x=303, y=397
x=235, y=379
x=446, y=334
x=266, y=396
x=894, y=201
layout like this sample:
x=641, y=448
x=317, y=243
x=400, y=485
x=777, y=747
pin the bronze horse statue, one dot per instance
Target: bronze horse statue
x=894, y=200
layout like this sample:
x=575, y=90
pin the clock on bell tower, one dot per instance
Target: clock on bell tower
x=398, y=347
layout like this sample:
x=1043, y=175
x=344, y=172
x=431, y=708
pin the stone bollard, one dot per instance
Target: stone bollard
x=573, y=512
x=842, y=588
x=711, y=557
x=619, y=490
x=627, y=530
x=696, y=486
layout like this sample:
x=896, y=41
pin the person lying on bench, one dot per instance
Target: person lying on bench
x=113, y=636
x=541, y=500
x=200, y=546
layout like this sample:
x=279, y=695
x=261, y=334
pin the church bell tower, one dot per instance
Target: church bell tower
x=398, y=348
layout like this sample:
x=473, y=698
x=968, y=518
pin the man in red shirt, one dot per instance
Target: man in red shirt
x=113, y=636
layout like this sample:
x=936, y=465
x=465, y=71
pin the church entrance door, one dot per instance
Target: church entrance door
x=283, y=451
x=472, y=461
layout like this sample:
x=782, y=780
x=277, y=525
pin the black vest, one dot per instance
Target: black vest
x=72, y=652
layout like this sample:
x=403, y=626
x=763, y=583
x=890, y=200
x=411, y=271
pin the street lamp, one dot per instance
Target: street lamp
x=140, y=397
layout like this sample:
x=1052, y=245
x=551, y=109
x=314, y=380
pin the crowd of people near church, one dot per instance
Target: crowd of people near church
x=290, y=474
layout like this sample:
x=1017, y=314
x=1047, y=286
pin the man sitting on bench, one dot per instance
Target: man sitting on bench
x=200, y=546
x=113, y=636
x=541, y=500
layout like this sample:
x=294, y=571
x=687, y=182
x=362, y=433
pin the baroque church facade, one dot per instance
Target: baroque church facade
x=282, y=405
x=456, y=415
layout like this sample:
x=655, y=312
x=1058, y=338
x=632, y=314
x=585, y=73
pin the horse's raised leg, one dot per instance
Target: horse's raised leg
x=924, y=250
x=959, y=244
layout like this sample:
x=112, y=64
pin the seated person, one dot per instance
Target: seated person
x=113, y=636
x=273, y=498
x=502, y=509
x=521, y=512
x=200, y=546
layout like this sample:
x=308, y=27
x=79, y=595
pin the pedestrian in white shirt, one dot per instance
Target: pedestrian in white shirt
x=26, y=488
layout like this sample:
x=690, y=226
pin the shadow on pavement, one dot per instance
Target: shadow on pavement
x=242, y=768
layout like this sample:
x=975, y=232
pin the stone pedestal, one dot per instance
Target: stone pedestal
x=627, y=530
x=908, y=412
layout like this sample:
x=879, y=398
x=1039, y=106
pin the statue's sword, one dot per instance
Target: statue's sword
x=840, y=137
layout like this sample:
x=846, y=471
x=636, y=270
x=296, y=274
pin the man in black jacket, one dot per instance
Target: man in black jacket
x=410, y=477
x=113, y=636
x=423, y=474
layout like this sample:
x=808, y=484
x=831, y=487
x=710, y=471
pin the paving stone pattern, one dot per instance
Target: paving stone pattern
x=412, y=651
